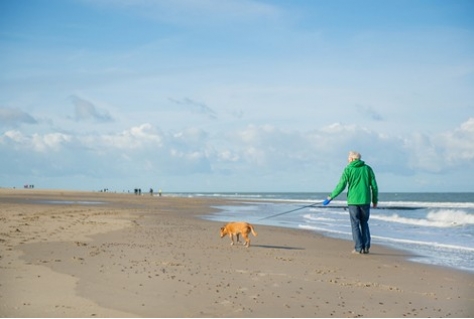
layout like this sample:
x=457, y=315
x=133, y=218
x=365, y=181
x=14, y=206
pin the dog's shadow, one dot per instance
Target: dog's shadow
x=278, y=247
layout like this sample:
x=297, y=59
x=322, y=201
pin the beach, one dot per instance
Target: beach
x=92, y=254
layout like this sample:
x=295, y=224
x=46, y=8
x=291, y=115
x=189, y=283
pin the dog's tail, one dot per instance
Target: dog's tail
x=252, y=230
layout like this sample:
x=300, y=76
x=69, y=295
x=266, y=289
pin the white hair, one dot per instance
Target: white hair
x=353, y=155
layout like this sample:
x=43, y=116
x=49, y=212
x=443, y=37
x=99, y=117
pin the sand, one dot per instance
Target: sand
x=86, y=254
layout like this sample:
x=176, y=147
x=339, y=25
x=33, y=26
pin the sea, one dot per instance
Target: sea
x=434, y=228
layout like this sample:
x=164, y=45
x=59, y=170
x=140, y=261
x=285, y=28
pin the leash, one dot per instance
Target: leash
x=290, y=211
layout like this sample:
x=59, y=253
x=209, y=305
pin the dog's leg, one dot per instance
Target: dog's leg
x=247, y=239
x=231, y=238
x=238, y=240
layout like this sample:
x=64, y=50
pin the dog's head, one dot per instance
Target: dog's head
x=223, y=231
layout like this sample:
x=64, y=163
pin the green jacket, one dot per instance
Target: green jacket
x=361, y=180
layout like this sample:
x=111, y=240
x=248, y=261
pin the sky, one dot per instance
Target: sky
x=236, y=95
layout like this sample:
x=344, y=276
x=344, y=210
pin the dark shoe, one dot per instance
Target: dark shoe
x=366, y=251
x=357, y=251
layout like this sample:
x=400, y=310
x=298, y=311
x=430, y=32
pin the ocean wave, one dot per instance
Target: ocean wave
x=458, y=205
x=456, y=217
x=438, y=218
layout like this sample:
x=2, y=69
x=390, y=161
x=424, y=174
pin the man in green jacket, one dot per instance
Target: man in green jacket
x=361, y=191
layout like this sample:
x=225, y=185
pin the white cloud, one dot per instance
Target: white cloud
x=36, y=142
x=459, y=145
x=190, y=137
x=136, y=137
x=249, y=152
x=443, y=152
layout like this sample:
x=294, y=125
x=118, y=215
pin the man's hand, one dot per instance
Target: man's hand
x=327, y=201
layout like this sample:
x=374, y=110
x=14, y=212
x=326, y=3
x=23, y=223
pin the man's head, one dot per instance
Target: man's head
x=354, y=156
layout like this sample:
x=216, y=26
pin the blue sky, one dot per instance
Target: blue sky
x=224, y=95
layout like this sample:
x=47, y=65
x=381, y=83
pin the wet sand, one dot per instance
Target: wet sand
x=86, y=254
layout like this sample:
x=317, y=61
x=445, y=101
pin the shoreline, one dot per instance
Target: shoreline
x=144, y=256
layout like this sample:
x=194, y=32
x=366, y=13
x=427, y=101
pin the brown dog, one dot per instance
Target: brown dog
x=236, y=228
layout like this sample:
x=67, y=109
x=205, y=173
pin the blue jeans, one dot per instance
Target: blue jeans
x=360, y=226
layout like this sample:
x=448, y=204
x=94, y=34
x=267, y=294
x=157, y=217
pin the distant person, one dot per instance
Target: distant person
x=362, y=189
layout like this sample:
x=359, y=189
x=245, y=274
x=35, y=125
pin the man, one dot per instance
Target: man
x=361, y=191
